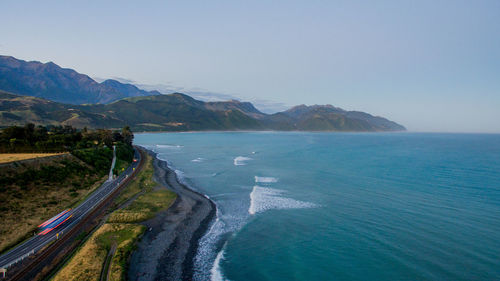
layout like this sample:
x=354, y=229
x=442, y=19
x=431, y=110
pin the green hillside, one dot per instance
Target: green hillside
x=179, y=112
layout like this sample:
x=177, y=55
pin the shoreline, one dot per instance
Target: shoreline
x=167, y=249
x=293, y=131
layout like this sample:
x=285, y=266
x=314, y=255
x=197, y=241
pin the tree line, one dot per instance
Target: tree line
x=42, y=139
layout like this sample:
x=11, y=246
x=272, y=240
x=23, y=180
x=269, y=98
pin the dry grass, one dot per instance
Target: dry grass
x=127, y=217
x=26, y=205
x=11, y=157
x=124, y=239
x=121, y=230
x=87, y=263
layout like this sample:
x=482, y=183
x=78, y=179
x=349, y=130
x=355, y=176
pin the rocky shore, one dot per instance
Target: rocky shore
x=169, y=245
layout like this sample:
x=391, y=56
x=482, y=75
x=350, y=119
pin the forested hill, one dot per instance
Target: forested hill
x=47, y=94
x=34, y=190
x=179, y=112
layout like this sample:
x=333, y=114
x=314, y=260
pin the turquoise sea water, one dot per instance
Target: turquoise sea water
x=343, y=206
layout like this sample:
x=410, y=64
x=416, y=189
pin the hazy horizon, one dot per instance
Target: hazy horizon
x=430, y=66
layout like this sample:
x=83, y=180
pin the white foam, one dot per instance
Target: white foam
x=215, y=272
x=206, y=252
x=181, y=176
x=264, y=198
x=241, y=160
x=149, y=147
x=171, y=146
x=199, y=159
x=163, y=157
x=265, y=179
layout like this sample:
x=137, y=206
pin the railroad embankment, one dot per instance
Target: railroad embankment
x=105, y=254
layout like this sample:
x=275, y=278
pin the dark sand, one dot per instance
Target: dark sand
x=169, y=245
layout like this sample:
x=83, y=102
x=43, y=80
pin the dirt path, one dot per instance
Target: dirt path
x=107, y=263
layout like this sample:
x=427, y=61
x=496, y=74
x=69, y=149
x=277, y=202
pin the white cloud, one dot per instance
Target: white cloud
x=266, y=106
x=263, y=105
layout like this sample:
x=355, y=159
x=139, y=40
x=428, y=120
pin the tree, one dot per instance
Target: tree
x=29, y=130
x=127, y=135
x=106, y=137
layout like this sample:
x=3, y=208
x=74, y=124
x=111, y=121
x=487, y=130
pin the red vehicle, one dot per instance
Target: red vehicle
x=54, y=222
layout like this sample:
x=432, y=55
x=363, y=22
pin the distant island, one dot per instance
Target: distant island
x=46, y=94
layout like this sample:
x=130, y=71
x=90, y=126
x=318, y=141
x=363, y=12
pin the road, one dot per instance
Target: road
x=38, y=242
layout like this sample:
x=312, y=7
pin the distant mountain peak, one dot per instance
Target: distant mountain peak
x=50, y=81
x=181, y=95
x=300, y=110
x=244, y=107
x=51, y=64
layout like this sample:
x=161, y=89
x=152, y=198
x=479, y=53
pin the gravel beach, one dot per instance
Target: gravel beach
x=169, y=245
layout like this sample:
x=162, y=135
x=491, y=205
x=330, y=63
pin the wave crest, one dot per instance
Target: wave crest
x=265, y=179
x=174, y=146
x=265, y=198
x=241, y=160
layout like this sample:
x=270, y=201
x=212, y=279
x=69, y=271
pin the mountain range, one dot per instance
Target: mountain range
x=50, y=81
x=46, y=94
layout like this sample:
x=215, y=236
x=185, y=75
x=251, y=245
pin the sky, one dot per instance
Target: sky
x=433, y=66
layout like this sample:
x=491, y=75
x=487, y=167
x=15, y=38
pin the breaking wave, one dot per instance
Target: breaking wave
x=265, y=198
x=174, y=146
x=241, y=160
x=207, y=247
x=216, y=272
x=265, y=179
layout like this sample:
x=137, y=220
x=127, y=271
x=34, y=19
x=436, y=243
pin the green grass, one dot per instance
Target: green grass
x=88, y=261
x=144, y=207
x=99, y=157
x=116, y=236
x=120, y=166
x=143, y=182
x=121, y=229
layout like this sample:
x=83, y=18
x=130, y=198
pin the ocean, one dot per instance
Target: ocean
x=342, y=206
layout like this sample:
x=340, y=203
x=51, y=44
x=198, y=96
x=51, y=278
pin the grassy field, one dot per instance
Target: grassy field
x=120, y=232
x=143, y=182
x=10, y=157
x=34, y=192
x=87, y=263
x=144, y=207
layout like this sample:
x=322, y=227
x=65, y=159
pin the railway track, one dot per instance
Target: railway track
x=30, y=269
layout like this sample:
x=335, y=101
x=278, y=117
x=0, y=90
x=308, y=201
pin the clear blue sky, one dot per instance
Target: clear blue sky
x=429, y=65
